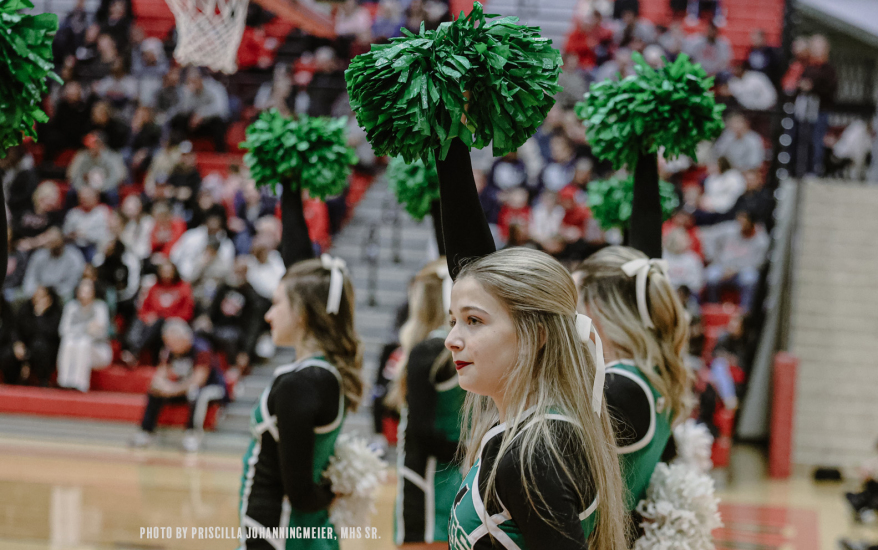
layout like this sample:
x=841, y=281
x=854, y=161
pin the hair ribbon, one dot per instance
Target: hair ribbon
x=585, y=328
x=336, y=266
x=640, y=269
x=447, y=282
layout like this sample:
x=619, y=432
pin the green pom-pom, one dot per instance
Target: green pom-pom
x=610, y=201
x=305, y=153
x=416, y=185
x=671, y=107
x=409, y=94
x=25, y=63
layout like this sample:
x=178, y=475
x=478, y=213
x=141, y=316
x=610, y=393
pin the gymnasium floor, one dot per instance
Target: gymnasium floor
x=96, y=497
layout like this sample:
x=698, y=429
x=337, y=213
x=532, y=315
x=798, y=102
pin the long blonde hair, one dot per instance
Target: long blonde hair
x=610, y=296
x=426, y=314
x=307, y=286
x=554, y=372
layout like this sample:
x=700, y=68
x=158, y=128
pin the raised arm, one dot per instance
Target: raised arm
x=464, y=227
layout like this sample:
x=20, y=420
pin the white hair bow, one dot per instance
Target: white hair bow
x=336, y=266
x=585, y=327
x=640, y=269
x=447, y=282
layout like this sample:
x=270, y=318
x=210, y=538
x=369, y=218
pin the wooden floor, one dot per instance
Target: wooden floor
x=55, y=496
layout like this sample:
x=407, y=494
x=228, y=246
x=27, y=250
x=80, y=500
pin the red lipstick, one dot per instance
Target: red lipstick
x=461, y=364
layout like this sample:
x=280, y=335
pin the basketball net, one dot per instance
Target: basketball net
x=209, y=32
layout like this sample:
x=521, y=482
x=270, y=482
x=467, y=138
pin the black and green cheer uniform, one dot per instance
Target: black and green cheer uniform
x=642, y=424
x=429, y=432
x=513, y=523
x=294, y=426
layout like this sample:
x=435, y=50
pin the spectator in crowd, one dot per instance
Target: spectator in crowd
x=590, y=40
x=752, y=89
x=137, y=227
x=71, y=32
x=388, y=21
x=97, y=166
x=84, y=331
x=169, y=297
x=29, y=226
x=711, y=50
x=756, y=199
x=18, y=178
x=211, y=270
x=265, y=268
x=182, y=184
x=819, y=80
x=559, y=171
x=514, y=212
x=145, y=138
x=205, y=207
x=250, y=205
x=672, y=40
x=722, y=188
x=118, y=273
x=58, y=266
x=353, y=21
x=118, y=23
x=685, y=267
x=166, y=231
x=327, y=84
x=87, y=225
x=617, y=68
x=188, y=372
x=849, y=153
x=163, y=163
x=801, y=57
x=740, y=145
x=168, y=99
x=762, y=57
x=572, y=81
x=119, y=88
x=631, y=27
x=113, y=128
x=277, y=94
x=257, y=49
x=87, y=51
x=36, y=327
x=69, y=124
x=684, y=220
x=189, y=252
x=92, y=69
x=231, y=317
x=738, y=253
x=507, y=172
x=415, y=14
x=203, y=109
x=620, y=7
x=545, y=219
x=8, y=338
x=723, y=95
x=149, y=66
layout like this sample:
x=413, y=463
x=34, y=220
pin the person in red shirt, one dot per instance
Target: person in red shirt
x=515, y=212
x=257, y=49
x=683, y=219
x=167, y=230
x=169, y=297
x=590, y=41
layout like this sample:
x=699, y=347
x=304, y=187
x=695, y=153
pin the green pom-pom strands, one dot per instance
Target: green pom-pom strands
x=411, y=95
x=416, y=185
x=671, y=107
x=610, y=201
x=25, y=63
x=305, y=153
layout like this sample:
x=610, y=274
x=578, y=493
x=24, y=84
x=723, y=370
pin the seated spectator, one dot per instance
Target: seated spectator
x=104, y=120
x=801, y=57
x=166, y=231
x=144, y=140
x=18, y=178
x=738, y=253
x=182, y=185
x=84, y=331
x=71, y=32
x=205, y=207
x=684, y=220
x=723, y=93
x=353, y=21
x=163, y=163
x=169, y=297
x=762, y=57
x=722, y=187
x=515, y=211
x=231, y=317
x=756, y=199
x=617, y=68
x=118, y=23
x=203, y=109
x=388, y=21
x=137, y=227
x=558, y=173
x=251, y=204
x=573, y=82
x=740, y=145
x=507, y=172
x=711, y=50
x=211, y=270
x=188, y=372
x=545, y=219
x=70, y=122
x=97, y=166
x=590, y=40
x=95, y=68
x=673, y=40
x=257, y=49
x=752, y=89
x=849, y=153
x=57, y=266
x=87, y=225
x=168, y=100
x=327, y=84
x=631, y=27
x=277, y=94
x=188, y=254
x=149, y=66
x=87, y=51
x=118, y=272
x=119, y=88
x=36, y=347
x=685, y=268
x=265, y=268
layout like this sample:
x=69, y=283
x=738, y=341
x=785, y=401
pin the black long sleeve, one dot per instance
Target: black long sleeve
x=629, y=409
x=464, y=227
x=557, y=494
x=295, y=241
x=645, y=225
x=302, y=401
x=421, y=401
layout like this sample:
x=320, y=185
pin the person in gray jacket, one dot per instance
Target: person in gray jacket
x=203, y=109
x=84, y=332
x=58, y=266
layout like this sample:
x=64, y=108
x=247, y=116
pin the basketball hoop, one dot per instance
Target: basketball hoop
x=209, y=32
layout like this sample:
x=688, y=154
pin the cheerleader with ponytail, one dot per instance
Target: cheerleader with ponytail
x=430, y=399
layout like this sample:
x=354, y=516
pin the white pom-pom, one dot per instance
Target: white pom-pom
x=355, y=471
x=694, y=444
x=680, y=510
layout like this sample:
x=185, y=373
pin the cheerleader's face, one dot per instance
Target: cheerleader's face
x=483, y=341
x=285, y=321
